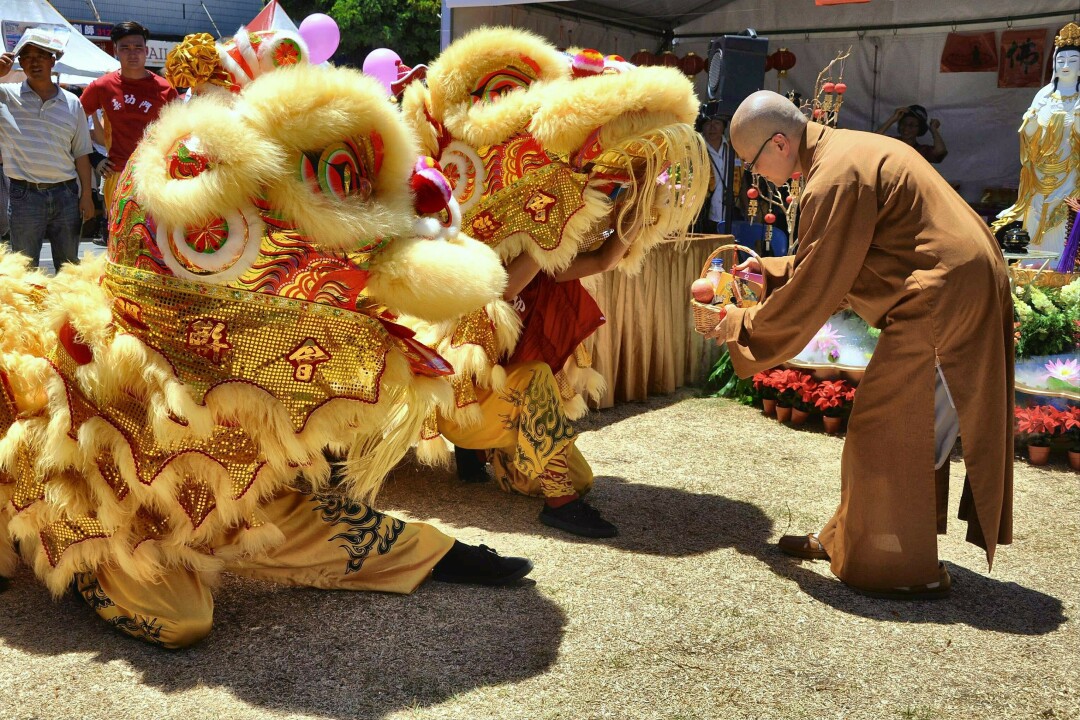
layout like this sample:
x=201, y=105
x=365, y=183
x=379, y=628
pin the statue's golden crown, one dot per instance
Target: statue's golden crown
x=1069, y=36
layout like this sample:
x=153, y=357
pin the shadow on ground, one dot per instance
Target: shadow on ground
x=624, y=409
x=672, y=522
x=312, y=652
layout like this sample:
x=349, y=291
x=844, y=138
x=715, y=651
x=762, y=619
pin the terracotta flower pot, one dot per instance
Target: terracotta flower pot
x=832, y=424
x=783, y=413
x=1038, y=455
x=798, y=417
x=1074, y=460
x=768, y=406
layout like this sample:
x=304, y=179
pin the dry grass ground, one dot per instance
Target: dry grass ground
x=691, y=613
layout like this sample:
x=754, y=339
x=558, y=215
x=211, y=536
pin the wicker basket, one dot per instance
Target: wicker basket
x=1041, y=278
x=707, y=317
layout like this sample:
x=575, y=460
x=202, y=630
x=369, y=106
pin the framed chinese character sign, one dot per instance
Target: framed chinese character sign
x=1022, y=56
x=970, y=52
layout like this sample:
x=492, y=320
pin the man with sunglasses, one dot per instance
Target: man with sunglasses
x=882, y=233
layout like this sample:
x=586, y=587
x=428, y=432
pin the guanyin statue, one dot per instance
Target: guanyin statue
x=1050, y=154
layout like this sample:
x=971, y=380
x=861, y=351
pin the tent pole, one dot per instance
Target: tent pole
x=93, y=9
x=897, y=26
x=218, y=31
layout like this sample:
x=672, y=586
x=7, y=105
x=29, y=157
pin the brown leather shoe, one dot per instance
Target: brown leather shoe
x=929, y=591
x=803, y=546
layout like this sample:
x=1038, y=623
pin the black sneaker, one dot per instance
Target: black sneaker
x=479, y=566
x=578, y=518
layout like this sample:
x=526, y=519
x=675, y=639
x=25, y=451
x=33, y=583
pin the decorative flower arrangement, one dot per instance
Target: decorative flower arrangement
x=1049, y=319
x=833, y=397
x=1038, y=424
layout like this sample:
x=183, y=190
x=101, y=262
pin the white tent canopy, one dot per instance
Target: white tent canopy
x=82, y=61
x=895, y=60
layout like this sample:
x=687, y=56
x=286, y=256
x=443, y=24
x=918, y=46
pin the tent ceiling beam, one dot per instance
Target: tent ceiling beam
x=896, y=26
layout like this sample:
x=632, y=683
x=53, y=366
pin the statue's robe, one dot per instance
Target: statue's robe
x=883, y=233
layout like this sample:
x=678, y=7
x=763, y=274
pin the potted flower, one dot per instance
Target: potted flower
x=833, y=398
x=1038, y=424
x=765, y=388
x=785, y=394
x=1070, y=426
x=804, y=398
x=788, y=384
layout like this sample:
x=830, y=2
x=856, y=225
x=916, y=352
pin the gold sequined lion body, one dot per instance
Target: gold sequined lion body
x=549, y=153
x=263, y=243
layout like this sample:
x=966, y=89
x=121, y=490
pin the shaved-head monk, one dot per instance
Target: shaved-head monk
x=881, y=232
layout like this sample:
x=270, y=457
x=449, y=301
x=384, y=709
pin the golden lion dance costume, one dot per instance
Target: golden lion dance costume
x=549, y=154
x=164, y=411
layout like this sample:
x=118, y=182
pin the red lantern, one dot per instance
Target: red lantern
x=692, y=64
x=770, y=218
x=782, y=60
x=768, y=63
x=643, y=58
x=668, y=59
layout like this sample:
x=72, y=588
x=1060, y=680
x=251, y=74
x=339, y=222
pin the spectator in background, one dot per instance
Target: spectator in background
x=46, y=149
x=713, y=130
x=3, y=201
x=911, y=124
x=130, y=98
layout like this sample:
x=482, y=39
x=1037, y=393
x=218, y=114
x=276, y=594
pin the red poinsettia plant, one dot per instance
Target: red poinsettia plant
x=1038, y=424
x=1070, y=426
x=765, y=384
x=794, y=388
x=833, y=397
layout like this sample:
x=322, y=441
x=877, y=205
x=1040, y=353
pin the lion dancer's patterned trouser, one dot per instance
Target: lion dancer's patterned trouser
x=330, y=543
x=532, y=442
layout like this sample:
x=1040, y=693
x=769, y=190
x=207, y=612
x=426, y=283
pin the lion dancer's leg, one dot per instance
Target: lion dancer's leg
x=330, y=542
x=174, y=612
x=533, y=448
x=335, y=543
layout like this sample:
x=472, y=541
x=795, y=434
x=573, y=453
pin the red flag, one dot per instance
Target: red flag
x=1021, y=58
x=970, y=52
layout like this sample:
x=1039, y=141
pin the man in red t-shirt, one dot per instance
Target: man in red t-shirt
x=130, y=98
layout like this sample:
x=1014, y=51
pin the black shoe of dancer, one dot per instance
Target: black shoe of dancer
x=479, y=566
x=577, y=517
x=470, y=467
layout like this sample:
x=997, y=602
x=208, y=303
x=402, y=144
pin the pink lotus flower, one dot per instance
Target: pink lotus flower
x=1066, y=371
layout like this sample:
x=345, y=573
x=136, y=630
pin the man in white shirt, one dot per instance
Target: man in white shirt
x=46, y=146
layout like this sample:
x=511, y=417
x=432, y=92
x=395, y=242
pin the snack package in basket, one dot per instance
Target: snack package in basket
x=741, y=289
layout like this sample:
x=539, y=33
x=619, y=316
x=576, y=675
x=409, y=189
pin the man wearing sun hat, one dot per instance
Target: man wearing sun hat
x=46, y=147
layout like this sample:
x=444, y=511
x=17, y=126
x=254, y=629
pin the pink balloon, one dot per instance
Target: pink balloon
x=382, y=64
x=322, y=36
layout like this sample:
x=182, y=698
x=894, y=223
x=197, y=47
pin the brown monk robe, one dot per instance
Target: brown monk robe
x=883, y=233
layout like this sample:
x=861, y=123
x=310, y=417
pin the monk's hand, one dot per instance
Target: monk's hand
x=718, y=332
x=750, y=264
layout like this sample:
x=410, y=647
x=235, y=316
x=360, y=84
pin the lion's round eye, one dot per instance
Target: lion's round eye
x=339, y=171
x=496, y=84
